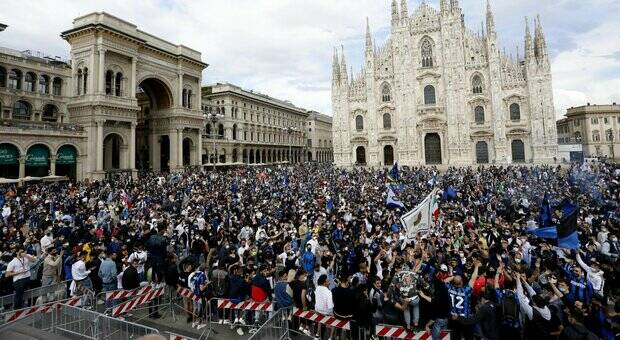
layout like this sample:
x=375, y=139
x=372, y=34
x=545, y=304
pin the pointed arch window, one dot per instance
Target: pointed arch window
x=359, y=123
x=387, y=121
x=109, y=75
x=476, y=84
x=386, y=95
x=479, y=115
x=429, y=95
x=515, y=112
x=80, y=77
x=427, y=53
x=85, y=84
x=118, y=84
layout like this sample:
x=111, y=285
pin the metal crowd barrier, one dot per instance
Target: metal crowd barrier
x=249, y=315
x=275, y=328
x=37, y=296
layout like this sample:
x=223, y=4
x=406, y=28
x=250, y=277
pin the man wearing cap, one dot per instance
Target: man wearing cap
x=51, y=267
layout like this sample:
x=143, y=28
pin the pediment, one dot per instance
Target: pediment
x=478, y=99
x=428, y=74
x=514, y=97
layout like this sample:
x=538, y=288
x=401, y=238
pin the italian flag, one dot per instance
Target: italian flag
x=434, y=206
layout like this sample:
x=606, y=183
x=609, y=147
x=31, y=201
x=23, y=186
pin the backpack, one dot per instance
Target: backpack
x=310, y=299
x=509, y=309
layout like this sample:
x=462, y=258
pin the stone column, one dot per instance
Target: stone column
x=199, y=148
x=53, y=165
x=99, y=145
x=180, y=148
x=180, y=93
x=174, y=149
x=155, y=150
x=22, y=166
x=101, y=73
x=133, y=77
x=132, y=146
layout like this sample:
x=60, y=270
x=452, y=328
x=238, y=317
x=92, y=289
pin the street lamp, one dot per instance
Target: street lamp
x=213, y=118
x=610, y=137
x=289, y=130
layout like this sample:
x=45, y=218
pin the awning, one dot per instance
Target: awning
x=9, y=154
x=38, y=155
x=66, y=155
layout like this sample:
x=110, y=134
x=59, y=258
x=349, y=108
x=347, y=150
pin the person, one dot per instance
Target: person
x=141, y=255
x=131, y=278
x=299, y=297
x=198, y=284
x=536, y=312
x=344, y=300
x=283, y=294
x=440, y=305
x=376, y=299
x=108, y=275
x=81, y=280
x=52, y=267
x=485, y=316
x=308, y=259
x=237, y=291
x=460, y=302
x=324, y=303
x=19, y=270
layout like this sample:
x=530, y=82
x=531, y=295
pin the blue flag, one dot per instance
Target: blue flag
x=394, y=172
x=330, y=204
x=392, y=201
x=234, y=188
x=449, y=193
x=565, y=234
x=544, y=219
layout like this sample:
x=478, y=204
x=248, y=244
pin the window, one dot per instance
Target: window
x=2, y=77
x=79, y=77
x=515, y=112
x=109, y=75
x=44, y=84
x=577, y=122
x=387, y=121
x=29, y=82
x=50, y=113
x=606, y=120
x=234, y=132
x=359, y=123
x=184, y=99
x=594, y=120
x=427, y=53
x=476, y=84
x=578, y=137
x=385, y=93
x=220, y=130
x=609, y=135
x=15, y=79
x=479, y=115
x=309, y=142
x=429, y=95
x=85, y=84
x=189, y=99
x=118, y=84
x=21, y=110
x=596, y=136
x=208, y=130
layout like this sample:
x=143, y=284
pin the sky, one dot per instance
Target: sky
x=284, y=48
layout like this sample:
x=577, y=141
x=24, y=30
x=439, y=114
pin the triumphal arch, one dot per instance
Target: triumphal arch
x=137, y=96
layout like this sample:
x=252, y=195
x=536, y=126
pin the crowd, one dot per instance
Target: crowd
x=322, y=238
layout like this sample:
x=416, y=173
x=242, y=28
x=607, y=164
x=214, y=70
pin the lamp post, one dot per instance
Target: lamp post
x=289, y=131
x=213, y=118
x=610, y=137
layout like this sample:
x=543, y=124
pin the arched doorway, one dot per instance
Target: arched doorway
x=251, y=156
x=222, y=156
x=153, y=95
x=9, y=161
x=188, y=145
x=432, y=148
x=482, y=152
x=66, y=161
x=234, y=156
x=309, y=156
x=360, y=155
x=244, y=156
x=112, y=152
x=518, y=151
x=388, y=155
x=264, y=158
x=38, y=161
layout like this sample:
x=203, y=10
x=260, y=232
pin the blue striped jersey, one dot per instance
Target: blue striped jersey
x=460, y=300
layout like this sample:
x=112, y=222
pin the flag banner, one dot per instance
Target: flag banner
x=565, y=234
x=421, y=217
x=392, y=201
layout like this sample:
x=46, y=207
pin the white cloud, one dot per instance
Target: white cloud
x=284, y=47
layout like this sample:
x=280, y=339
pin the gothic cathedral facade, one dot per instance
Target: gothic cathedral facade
x=439, y=93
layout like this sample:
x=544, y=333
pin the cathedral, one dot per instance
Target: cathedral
x=439, y=93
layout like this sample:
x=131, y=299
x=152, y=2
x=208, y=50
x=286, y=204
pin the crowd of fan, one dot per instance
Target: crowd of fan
x=321, y=238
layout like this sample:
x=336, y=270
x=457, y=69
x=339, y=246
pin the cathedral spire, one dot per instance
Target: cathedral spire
x=343, y=66
x=443, y=6
x=454, y=5
x=529, y=46
x=395, y=17
x=335, y=67
x=404, y=14
x=539, y=40
x=490, y=19
x=368, y=37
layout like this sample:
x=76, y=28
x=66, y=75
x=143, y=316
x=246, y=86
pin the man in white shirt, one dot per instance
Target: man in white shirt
x=323, y=302
x=46, y=240
x=19, y=269
x=80, y=274
x=141, y=256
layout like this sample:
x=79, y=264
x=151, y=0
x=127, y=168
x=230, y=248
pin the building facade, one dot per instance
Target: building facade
x=319, y=142
x=127, y=101
x=252, y=128
x=439, y=93
x=595, y=127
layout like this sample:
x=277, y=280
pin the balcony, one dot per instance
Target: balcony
x=14, y=125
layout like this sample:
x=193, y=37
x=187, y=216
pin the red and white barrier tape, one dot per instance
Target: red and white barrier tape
x=245, y=305
x=320, y=318
x=22, y=313
x=186, y=293
x=396, y=332
x=177, y=337
x=119, y=294
x=131, y=304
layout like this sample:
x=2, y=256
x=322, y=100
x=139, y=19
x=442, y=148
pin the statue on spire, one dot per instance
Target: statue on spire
x=490, y=19
x=395, y=17
x=404, y=14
